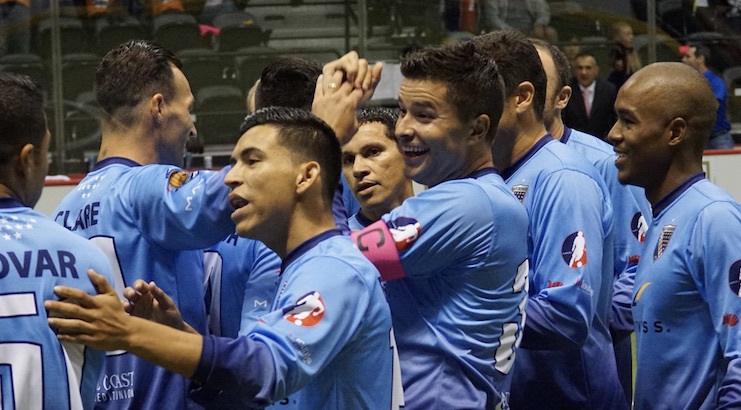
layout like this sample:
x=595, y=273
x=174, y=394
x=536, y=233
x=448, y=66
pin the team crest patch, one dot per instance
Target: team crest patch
x=638, y=294
x=574, y=250
x=177, y=178
x=520, y=191
x=639, y=227
x=666, y=235
x=734, y=277
x=307, y=312
x=404, y=231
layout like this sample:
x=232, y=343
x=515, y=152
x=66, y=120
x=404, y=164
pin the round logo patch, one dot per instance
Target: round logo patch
x=574, y=250
x=639, y=227
x=734, y=277
x=307, y=312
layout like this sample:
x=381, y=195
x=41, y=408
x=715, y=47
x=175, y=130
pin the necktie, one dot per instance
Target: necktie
x=587, y=104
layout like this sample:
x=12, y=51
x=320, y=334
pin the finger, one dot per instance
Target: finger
x=139, y=285
x=77, y=296
x=164, y=300
x=319, y=89
x=376, y=74
x=336, y=81
x=100, y=282
x=363, y=70
x=131, y=294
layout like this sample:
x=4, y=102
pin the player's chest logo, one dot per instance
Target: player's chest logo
x=519, y=191
x=574, y=250
x=639, y=227
x=666, y=234
x=307, y=312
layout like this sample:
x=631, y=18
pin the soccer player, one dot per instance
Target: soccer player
x=630, y=208
x=374, y=167
x=150, y=217
x=454, y=256
x=685, y=305
x=566, y=354
x=36, y=255
x=326, y=341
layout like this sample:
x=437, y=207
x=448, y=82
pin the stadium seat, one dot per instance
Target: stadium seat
x=239, y=30
x=177, y=31
x=73, y=37
x=109, y=35
x=31, y=65
x=204, y=68
x=219, y=113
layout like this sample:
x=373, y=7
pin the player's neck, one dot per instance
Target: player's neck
x=557, y=128
x=529, y=133
x=304, y=226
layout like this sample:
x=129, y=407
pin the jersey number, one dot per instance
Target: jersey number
x=108, y=246
x=504, y=357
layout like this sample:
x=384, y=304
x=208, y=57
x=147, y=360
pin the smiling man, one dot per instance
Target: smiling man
x=374, y=167
x=329, y=323
x=454, y=256
x=685, y=303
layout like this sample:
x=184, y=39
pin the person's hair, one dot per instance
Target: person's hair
x=306, y=136
x=702, y=50
x=383, y=115
x=617, y=26
x=131, y=73
x=22, y=118
x=288, y=82
x=518, y=62
x=474, y=85
x=583, y=54
x=560, y=61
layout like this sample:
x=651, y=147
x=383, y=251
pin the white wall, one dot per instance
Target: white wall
x=722, y=167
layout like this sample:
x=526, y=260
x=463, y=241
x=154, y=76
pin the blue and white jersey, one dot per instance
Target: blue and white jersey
x=153, y=223
x=36, y=371
x=566, y=352
x=687, y=302
x=358, y=222
x=324, y=345
x=241, y=281
x=631, y=218
x=454, y=261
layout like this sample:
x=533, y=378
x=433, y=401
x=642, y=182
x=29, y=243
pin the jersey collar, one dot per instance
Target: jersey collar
x=11, y=202
x=481, y=172
x=514, y=167
x=306, y=246
x=114, y=160
x=566, y=134
x=667, y=200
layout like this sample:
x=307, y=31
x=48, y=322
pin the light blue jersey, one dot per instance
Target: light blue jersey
x=566, y=360
x=687, y=302
x=457, y=289
x=326, y=343
x=631, y=218
x=242, y=278
x=358, y=222
x=36, y=371
x=152, y=222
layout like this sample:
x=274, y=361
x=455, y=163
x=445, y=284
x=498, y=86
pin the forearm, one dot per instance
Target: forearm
x=175, y=350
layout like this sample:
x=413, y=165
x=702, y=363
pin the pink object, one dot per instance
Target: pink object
x=378, y=245
x=205, y=29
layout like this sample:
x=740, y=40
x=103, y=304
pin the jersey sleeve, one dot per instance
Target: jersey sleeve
x=717, y=265
x=313, y=319
x=179, y=209
x=567, y=237
x=260, y=284
x=439, y=228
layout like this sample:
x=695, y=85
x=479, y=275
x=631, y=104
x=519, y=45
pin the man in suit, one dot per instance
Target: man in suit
x=590, y=108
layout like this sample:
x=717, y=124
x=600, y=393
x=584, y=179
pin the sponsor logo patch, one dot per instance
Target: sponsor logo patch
x=520, y=191
x=734, y=277
x=639, y=227
x=730, y=320
x=574, y=250
x=404, y=231
x=177, y=178
x=308, y=310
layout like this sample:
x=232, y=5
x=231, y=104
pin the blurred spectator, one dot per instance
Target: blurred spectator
x=571, y=50
x=697, y=56
x=213, y=8
x=156, y=7
x=623, y=56
x=528, y=16
x=15, y=27
x=590, y=107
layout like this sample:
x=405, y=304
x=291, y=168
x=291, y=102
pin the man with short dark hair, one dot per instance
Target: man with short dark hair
x=150, y=217
x=329, y=323
x=453, y=256
x=566, y=352
x=686, y=300
x=374, y=167
x=590, y=108
x=697, y=56
x=36, y=255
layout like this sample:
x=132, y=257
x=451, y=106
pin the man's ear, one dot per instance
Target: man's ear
x=308, y=176
x=677, y=131
x=525, y=95
x=26, y=160
x=156, y=104
x=563, y=97
x=480, y=127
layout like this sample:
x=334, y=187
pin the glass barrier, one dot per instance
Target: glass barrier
x=224, y=45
